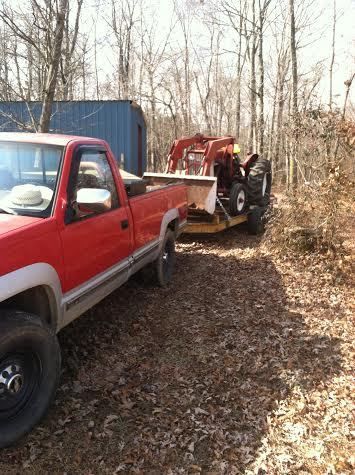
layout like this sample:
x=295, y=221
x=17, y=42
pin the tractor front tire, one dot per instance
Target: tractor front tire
x=237, y=199
x=259, y=183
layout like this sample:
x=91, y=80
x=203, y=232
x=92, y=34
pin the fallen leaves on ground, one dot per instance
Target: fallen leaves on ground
x=243, y=365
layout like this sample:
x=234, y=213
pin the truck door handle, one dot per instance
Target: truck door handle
x=124, y=224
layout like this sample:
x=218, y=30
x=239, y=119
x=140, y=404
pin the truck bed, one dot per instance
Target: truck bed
x=135, y=185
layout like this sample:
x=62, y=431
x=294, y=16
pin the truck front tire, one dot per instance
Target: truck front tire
x=29, y=373
x=165, y=263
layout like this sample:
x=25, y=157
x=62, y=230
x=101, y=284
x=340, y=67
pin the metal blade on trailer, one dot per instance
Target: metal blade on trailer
x=201, y=190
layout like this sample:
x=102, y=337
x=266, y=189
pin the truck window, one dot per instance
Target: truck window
x=95, y=172
x=28, y=177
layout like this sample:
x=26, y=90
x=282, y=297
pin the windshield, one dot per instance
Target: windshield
x=28, y=177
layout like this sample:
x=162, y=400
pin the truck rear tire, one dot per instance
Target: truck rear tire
x=29, y=373
x=237, y=199
x=259, y=182
x=165, y=263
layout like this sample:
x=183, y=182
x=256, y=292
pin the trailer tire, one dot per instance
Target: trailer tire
x=29, y=373
x=165, y=262
x=256, y=223
x=259, y=182
x=237, y=199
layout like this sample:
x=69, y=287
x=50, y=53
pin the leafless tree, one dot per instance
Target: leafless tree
x=230, y=67
x=292, y=157
x=252, y=49
x=332, y=58
x=68, y=62
x=39, y=31
x=262, y=7
x=122, y=21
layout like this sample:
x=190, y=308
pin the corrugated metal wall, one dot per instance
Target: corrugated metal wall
x=117, y=122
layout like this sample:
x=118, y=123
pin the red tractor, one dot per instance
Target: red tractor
x=243, y=183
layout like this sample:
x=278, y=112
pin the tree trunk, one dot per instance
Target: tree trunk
x=261, y=125
x=332, y=58
x=279, y=120
x=52, y=76
x=70, y=39
x=347, y=84
x=293, y=148
x=331, y=66
x=187, y=84
x=239, y=79
x=270, y=150
x=252, y=131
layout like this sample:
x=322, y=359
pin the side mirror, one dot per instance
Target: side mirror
x=93, y=200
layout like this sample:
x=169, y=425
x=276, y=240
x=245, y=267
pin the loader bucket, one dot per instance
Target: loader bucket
x=201, y=190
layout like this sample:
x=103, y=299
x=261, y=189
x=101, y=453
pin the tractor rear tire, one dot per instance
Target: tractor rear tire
x=256, y=221
x=237, y=199
x=259, y=183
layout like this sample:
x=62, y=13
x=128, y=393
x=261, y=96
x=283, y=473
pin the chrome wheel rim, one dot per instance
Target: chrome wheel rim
x=19, y=378
x=264, y=185
x=166, y=258
x=11, y=379
x=241, y=200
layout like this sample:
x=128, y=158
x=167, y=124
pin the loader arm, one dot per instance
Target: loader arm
x=210, y=146
x=177, y=150
x=212, y=149
x=197, y=174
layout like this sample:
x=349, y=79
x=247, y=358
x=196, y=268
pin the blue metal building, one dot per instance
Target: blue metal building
x=120, y=123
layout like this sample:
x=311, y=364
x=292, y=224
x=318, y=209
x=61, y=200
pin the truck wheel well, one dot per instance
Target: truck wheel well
x=174, y=226
x=36, y=301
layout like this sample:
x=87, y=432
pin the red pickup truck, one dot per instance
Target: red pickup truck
x=71, y=231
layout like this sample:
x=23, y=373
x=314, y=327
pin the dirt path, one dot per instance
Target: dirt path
x=242, y=366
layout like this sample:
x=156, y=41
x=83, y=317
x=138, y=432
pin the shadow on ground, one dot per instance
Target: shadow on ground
x=159, y=379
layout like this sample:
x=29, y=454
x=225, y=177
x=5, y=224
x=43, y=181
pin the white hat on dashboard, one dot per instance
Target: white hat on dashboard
x=29, y=196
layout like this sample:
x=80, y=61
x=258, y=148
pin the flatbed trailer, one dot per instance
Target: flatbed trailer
x=219, y=221
x=199, y=222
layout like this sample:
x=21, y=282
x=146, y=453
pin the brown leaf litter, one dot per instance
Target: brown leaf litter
x=243, y=365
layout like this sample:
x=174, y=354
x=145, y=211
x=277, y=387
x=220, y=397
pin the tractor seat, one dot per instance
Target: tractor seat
x=249, y=161
x=85, y=180
x=90, y=175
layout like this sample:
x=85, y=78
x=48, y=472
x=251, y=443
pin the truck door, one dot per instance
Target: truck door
x=94, y=243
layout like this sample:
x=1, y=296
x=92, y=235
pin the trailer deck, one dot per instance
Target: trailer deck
x=198, y=223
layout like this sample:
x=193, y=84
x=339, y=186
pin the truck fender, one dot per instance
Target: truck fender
x=168, y=218
x=34, y=275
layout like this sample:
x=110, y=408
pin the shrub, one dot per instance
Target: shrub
x=315, y=218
